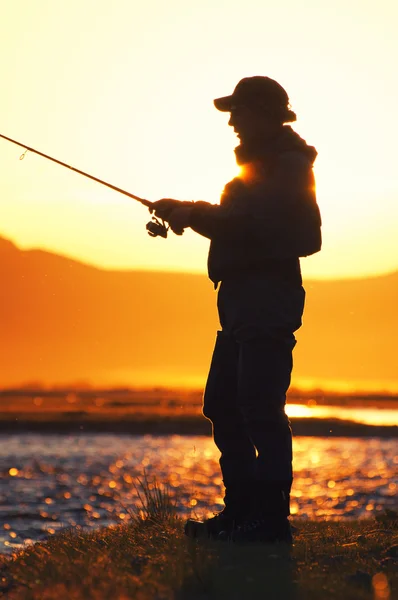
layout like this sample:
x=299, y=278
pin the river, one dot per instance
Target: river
x=49, y=482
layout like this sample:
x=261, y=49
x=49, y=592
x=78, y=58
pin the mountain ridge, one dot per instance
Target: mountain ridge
x=14, y=246
x=63, y=321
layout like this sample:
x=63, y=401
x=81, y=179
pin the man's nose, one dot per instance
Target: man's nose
x=231, y=120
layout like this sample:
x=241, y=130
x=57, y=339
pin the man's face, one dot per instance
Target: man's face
x=250, y=124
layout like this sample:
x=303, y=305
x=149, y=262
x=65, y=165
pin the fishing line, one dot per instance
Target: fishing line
x=155, y=227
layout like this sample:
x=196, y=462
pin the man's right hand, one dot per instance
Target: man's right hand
x=163, y=208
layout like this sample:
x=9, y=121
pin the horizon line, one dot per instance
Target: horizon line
x=182, y=271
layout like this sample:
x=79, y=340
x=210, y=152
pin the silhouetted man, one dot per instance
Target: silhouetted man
x=267, y=218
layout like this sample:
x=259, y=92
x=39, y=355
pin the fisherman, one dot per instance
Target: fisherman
x=266, y=220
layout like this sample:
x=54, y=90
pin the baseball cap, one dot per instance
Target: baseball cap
x=255, y=92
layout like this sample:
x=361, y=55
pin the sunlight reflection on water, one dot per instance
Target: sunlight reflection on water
x=369, y=416
x=54, y=481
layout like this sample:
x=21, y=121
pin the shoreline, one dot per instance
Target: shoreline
x=151, y=558
x=185, y=426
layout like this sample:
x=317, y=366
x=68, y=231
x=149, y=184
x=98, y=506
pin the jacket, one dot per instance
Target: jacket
x=268, y=217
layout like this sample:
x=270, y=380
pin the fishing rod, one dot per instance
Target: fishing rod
x=155, y=227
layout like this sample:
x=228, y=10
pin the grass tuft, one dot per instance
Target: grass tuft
x=157, y=504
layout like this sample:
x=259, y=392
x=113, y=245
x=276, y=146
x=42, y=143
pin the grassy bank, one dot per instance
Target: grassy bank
x=151, y=559
x=169, y=425
x=163, y=412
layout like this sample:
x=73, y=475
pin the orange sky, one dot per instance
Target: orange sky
x=124, y=91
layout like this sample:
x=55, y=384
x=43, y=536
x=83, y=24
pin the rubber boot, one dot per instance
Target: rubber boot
x=238, y=506
x=268, y=521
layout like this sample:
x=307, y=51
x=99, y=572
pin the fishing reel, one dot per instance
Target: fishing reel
x=157, y=227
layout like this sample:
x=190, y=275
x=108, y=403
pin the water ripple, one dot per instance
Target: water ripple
x=50, y=482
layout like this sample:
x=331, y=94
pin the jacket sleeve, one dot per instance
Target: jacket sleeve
x=280, y=217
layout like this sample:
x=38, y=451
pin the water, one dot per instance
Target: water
x=358, y=414
x=53, y=481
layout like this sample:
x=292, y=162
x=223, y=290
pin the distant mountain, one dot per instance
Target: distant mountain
x=62, y=321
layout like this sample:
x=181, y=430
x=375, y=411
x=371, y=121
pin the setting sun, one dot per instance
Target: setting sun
x=130, y=101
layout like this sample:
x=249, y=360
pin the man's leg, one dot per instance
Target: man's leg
x=264, y=371
x=238, y=455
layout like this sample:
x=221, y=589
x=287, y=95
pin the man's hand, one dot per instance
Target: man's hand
x=175, y=212
x=162, y=208
x=180, y=218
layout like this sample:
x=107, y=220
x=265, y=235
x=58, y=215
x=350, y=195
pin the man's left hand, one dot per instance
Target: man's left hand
x=179, y=218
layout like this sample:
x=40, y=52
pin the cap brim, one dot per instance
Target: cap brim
x=224, y=104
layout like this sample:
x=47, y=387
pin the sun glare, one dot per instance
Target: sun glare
x=137, y=112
